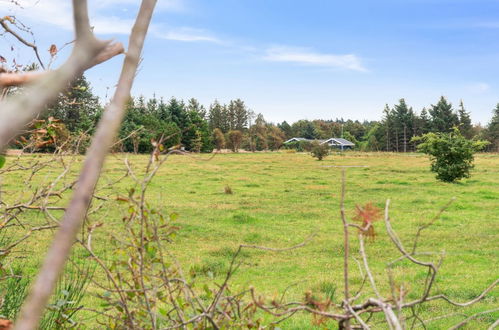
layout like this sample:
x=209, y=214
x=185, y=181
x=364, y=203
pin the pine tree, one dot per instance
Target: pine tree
x=286, y=128
x=443, y=118
x=215, y=116
x=492, y=132
x=194, y=105
x=178, y=114
x=465, y=122
x=77, y=107
x=404, y=125
x=424, y=122
x=226, y=122
x=240, y=114
x=388, y=123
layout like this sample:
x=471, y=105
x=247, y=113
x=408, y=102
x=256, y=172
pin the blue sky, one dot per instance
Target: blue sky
x=296, y=59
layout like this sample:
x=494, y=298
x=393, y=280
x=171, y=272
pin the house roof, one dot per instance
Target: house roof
x=335, y=141
x=297, y=139
x=340, y=142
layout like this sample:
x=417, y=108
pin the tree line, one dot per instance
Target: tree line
x=191, y=126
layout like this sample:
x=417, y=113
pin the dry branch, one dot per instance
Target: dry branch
x=21, y=109
x=10, y=79
x=106, y=132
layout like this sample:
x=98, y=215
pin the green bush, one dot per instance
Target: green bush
x=319, y=151
x=451, y=154
x=299, y=146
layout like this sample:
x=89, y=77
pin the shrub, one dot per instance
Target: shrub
x=218, y=138
x=234, y=139
x=451, y=154
x=319, y=151
x=299, y=146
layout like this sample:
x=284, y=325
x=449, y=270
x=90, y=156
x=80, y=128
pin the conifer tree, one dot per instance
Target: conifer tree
x=443, y=118
x=215, y=115
x=465, y=126
x=77, y=107
x=492, y=132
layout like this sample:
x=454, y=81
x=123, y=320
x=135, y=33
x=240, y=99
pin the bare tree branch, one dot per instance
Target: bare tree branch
x=106, y=132
x=21, y=109
x=474, y=316
x=7, y=28
x=8, y=79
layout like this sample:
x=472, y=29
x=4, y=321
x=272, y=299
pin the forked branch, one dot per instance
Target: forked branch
x=102, y=141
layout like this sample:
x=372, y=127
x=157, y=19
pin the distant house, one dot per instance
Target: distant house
x=339, y=143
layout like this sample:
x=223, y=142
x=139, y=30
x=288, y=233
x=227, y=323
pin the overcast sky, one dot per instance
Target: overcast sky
x=291, y=59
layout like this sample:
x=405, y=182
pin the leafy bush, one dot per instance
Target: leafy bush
x=234, y=140
x=451, y=154
x=299, y=146
x=319, y=151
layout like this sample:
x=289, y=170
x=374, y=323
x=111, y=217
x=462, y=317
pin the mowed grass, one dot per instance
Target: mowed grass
x=280, y=199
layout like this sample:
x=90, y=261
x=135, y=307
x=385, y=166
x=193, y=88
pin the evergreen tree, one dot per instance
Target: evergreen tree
x=388, y=124
x=356, y=129
x=286, y=129
x=424, y=122
x=443, y=118
x=193, y=105
x=197, y=136
x=227, y=119
x=177, y=113
x=77, y=107
x=215, y=116
x=465, y=122
x=230, y=116
x=492, y=131
x=163, y=112
x=304, y=129
x=403, y=125
x=240, y=114
x=140, y=126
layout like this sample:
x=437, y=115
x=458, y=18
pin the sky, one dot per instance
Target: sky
x=291, y=59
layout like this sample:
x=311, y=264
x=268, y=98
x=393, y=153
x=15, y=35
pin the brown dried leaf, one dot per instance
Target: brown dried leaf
x=53, y=50
x=367, y=214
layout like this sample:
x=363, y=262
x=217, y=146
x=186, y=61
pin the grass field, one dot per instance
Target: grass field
x=279, y=199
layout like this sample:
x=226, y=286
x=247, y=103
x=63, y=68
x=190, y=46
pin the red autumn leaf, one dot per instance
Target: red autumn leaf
x=367, y=214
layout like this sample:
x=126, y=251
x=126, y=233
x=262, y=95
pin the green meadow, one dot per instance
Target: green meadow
x=280, y=199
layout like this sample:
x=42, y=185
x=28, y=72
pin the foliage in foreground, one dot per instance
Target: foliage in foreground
x=451, y=154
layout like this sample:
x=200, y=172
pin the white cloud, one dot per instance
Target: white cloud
x=184, y=34
x=479, y=87
x=307, y=57
x=112, y=25
x=56, y=13
x=103, y=18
